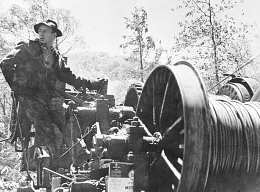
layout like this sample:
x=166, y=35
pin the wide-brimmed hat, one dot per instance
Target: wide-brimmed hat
x=49, y=23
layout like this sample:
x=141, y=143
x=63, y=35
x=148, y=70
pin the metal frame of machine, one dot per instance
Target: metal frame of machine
x=171, y=137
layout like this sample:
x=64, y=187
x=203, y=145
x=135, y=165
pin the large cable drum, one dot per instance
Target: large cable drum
x=175, y=105
x=205, y=144
x=239, y=88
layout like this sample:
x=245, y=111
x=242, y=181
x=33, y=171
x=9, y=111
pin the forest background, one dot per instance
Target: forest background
x=218, y=37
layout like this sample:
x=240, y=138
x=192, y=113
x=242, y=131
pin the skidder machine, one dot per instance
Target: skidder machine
x=171, y=137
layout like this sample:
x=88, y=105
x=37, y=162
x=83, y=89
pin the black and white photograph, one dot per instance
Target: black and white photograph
x=129, y=96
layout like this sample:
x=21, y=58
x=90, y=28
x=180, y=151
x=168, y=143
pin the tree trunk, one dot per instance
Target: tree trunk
x=214, y=44
x=141, y=60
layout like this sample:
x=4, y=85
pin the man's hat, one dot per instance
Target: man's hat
x=50, y=23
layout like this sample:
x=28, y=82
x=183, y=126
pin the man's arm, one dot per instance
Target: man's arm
x=65, y=74
x=10, y=62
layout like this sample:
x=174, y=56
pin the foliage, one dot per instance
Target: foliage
x=17, y=24
x=214, y=40
x=156, y=57
x=120, y=72
x=138, y=41
x=5, y=108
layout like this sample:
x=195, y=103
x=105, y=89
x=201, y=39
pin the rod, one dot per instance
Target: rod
x=53, y=172
x=248, y=62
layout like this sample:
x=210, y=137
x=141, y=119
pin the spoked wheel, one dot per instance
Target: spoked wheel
x=133, y=94
x=235, y=91
x=173, y=105
x=238, y=88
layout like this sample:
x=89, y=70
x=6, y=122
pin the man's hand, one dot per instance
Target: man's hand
x=100, y=85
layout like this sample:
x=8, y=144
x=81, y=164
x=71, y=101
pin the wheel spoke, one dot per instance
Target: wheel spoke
x=175, y=152
x=172, y=131
x=180, y=161
x=173, y=141
x=177, y=165
x=168, y=173
x=170, y=165
x=176, y=162
x=164, y=99
x=154, y=105
x=175, y=181
x=178, y=153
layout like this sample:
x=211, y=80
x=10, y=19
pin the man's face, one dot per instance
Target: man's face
x=46, y=35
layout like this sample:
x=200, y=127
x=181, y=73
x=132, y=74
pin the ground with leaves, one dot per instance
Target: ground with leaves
x=10, y=176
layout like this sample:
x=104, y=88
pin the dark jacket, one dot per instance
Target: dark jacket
x=26, y=74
